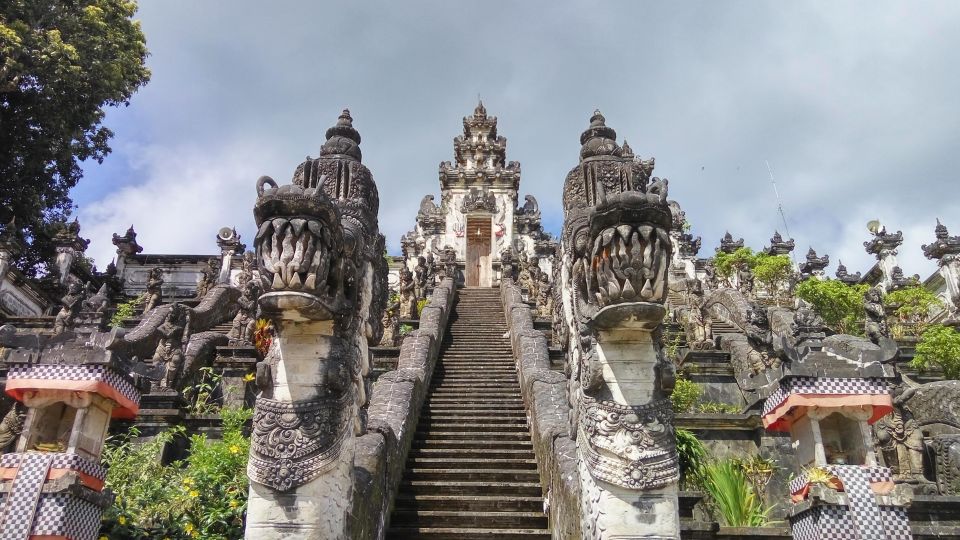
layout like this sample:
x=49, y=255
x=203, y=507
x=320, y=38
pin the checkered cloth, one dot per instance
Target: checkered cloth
x=874, y=474
x=863, y=504
x=831, y=386
x=837, y=523
x=120, y=388
x=20, y=506
x=73, y=462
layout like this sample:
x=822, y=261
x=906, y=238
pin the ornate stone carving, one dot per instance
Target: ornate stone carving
x=945, y=249
x=479, y=201
x=209, y=275
x=69, y=244
x=630, y=446
x=698, y=321
x=293, y=443
x=544, y=297
x=420, y=278
x=408, y=296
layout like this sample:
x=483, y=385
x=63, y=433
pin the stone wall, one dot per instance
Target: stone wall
x=545, y=398
x=395, y=403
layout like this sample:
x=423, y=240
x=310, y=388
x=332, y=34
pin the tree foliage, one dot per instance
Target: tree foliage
x=840, y=305
x=772, y=271
x=61, y=63
x=939, y=345
x=727, y=263
x=913, y=305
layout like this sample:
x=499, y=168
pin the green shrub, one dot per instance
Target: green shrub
x=940, y=346
x=732, y=498
x=840, y=305
x=912, y=305
x=126, y=310
x=421, y=304
x=203, y=496
x=727, y=263
x=693, y=458
x=685, y=395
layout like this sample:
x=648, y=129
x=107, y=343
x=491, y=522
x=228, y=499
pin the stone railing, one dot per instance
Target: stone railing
x=545, y=398
x=392, y=415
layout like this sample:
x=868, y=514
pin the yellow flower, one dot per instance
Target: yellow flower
x=194, y=493
x=103, y=538
x=188, y=481
x=190, y=529
x=249, y=377
x=234, y=503
x=234, y=449
x=122, y=520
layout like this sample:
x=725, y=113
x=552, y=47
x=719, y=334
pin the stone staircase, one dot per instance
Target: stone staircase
x=471, y=472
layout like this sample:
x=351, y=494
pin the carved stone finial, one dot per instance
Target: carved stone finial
x=846, y=277
x=779, y=246
x=944, y=248
x=728, y=244
x=127, y=244
x=814, y=265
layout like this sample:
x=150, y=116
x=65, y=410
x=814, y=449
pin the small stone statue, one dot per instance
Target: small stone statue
x=699, y=322
x=760, y=338
x=208, y=277
x=246, y=319
x=875, y=324
x=710, y=275
x=408, y=298
x=420, y=278
x=154, y=289
x=391, y=327
x=431, y=272
x=508, y=266
x=98, y=302
x=72, y=303
x=170, y=349
x=11, y=427
x=247, y=266
x=745, y=279
x=544, y=297
x=450, y=262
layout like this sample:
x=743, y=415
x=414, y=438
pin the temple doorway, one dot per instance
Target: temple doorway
x=478, y=261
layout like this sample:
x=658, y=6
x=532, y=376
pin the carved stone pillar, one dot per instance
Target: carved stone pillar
x=10, y=247
x=229, y=242
x=946, y=250
x=321, y=265
x=68, y=244
x=616, y=254
x=884, y=247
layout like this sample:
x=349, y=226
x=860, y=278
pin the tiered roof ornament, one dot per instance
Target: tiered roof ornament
x=814, y=265
x=480, y=156
x=728, y=244
x=779, y=246
x=945, y=249
x=846, y=277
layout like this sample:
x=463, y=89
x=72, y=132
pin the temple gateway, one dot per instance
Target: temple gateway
x=490, y=382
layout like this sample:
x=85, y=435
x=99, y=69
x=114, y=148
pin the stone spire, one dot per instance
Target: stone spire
x=728, y=244
x=846, y=277
x=779, y=246
x=814, y=265
x=480, y=156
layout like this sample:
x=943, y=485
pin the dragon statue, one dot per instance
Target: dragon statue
x=615, y=255
x=320, y=258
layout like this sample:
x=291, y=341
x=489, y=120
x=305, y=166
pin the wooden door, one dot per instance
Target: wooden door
x=478, y=251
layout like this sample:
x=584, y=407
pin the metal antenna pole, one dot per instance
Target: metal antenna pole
x=783, y=215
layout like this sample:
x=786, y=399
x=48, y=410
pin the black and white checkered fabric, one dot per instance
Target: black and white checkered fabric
x=837, y=523
x=74, y=462
x=832, y=386
x=78, y=373
x=875, y=474
x=20, y=506
x=863, y=504
x=60, y=514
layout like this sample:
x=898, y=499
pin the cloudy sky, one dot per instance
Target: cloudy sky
x=854, y=106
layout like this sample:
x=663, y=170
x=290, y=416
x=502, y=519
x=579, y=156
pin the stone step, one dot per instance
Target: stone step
x=476, y=503
x=459, y=533
x=485, y=453
x=441, y=443
x=469, y=518
x=433, y=426
x=492, y=418
x=473, y=463
x=473, y=474
x=430, y=434
x=468, y=408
